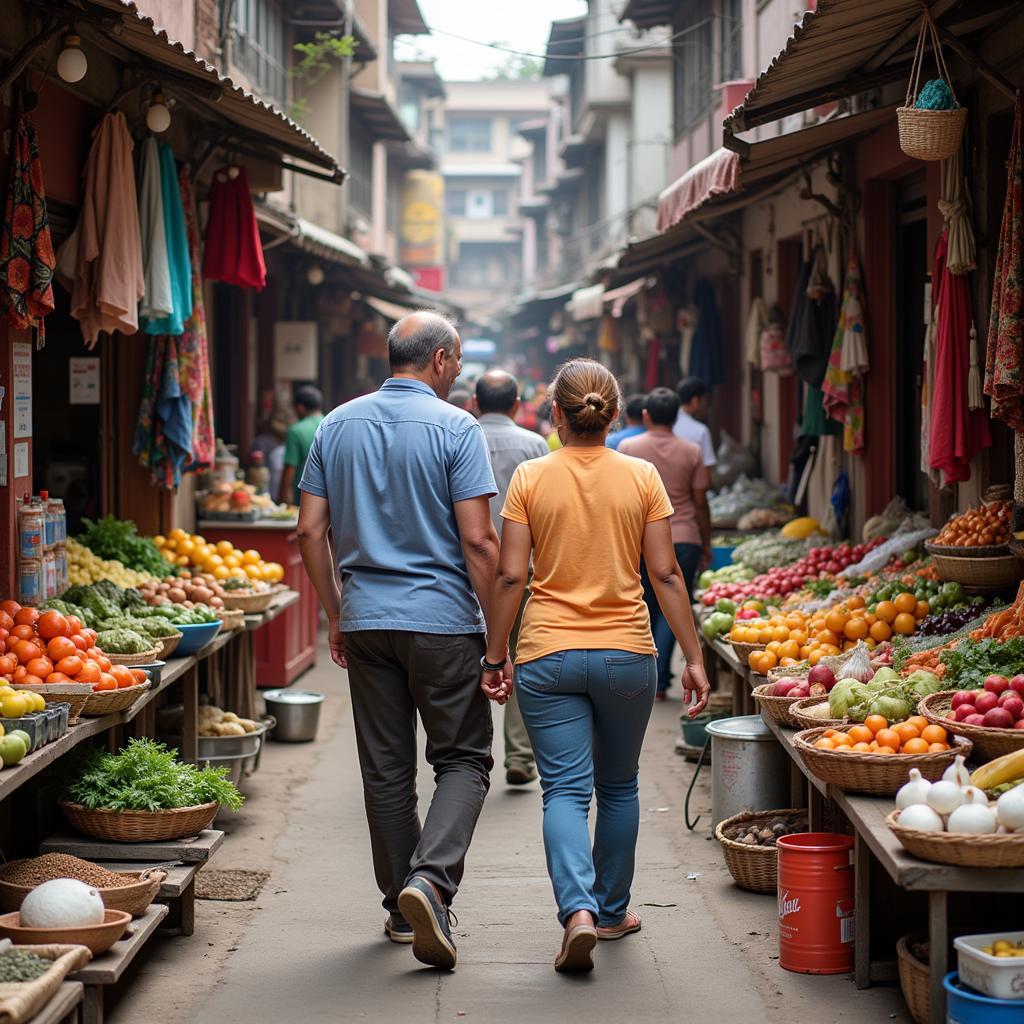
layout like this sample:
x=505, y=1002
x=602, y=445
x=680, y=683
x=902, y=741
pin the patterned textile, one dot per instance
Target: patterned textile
x=843, y=386
x=1004, y=375
x=26, y=252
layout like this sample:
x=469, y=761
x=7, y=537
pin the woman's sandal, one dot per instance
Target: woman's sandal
x=577, y=949
x=629, y=924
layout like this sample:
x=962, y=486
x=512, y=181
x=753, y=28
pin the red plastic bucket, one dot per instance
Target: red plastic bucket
x=816, y=903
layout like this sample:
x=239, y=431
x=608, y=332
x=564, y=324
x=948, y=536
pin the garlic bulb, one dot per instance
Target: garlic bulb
x=1010, y=809
x=921, y=816
x=957, y=772
x=973, y=795
x=944, y=797
x=913, y=792
x=973, y=819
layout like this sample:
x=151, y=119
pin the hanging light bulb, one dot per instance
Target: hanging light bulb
x=315, y=275
x=72, y=63
x=158, y=117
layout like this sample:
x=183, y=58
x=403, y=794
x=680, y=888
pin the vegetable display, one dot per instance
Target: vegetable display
x=887, y=696
x=978, y=527
x=146, y=776
x=968, y=665
x=1000, y=705
x=124, y=641
x=112, y=538
x=86, y=567
x=877, y=736
x=221, y=559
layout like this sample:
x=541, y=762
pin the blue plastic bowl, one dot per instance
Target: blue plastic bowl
x=721, y=557
x=195, y=638
x=965, y=1006
x=154, y=670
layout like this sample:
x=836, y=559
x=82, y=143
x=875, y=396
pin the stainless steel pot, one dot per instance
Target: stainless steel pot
x=297, y=713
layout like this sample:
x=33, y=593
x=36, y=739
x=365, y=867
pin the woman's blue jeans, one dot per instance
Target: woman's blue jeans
x=586, y=713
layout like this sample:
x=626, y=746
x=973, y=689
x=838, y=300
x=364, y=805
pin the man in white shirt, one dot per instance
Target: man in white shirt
x=693, y=407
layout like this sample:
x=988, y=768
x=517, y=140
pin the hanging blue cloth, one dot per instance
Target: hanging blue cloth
x=178, y=258
x=706, y=348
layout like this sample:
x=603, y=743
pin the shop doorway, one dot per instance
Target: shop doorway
x=912, y=271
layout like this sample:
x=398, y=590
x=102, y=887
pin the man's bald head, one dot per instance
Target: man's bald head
x=497, y=391
x=415, y=338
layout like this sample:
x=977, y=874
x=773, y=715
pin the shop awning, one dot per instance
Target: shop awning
x=586, y=303
x=388, y=310
x=648, y=13
x=328, y=245
x=564, y=40
x=618, y=297
x=407, y=18
x=376, y=112
x=243, y=118
x=848, y=47
x=715, y=175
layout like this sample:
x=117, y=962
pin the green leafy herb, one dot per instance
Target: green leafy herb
x=968, y=664
x=118, y=538
x=146, y=776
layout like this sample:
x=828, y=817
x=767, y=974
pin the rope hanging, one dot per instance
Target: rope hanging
x=954, y=205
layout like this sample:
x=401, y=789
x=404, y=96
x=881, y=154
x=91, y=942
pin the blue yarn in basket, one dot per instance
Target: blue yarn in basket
x=936, y=95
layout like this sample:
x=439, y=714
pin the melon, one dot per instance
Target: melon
x=62, y=903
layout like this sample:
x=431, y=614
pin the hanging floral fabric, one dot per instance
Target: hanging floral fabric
x=157, y=300
x=26, y=252
x=957, y=433
x=1004, y=364
x=234, y=252
x=178, y=260
x=102, y=258
x=843, y=387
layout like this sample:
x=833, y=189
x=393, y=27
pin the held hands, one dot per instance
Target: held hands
x=497, y=686
x=695, y=689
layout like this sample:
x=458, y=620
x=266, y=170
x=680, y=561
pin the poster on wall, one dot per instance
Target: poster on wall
x=84, y=378
x=22, y=390
x=295, y=350
x=421, y=229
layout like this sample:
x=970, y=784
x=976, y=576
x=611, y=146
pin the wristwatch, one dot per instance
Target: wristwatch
x=488, y=666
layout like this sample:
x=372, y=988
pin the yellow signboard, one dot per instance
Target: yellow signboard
x=421, y=232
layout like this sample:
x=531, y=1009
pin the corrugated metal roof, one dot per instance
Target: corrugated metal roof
x=232, y=105
x=847, y=47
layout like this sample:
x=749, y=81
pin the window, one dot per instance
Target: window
x=409, y=105
x=499, y=203
x=484, y=265
x=455, y=202
x=730, y=40
x=479, y=205
x=691, y=66
x=469, y=134
x=360, y=171
x=261, y=47
x=540, y=162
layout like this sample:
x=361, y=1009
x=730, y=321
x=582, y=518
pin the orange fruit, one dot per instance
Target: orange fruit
x=794, y=621
x=39, y=667
x=861, y=747
x=885, y=750
x=915, y=746
x=876, y=723
x=790, y=649
x=906, y=602
x=906, y=732
x=937, y=748
x=855, y=603
x=764, y=636
x=931, y=733
x=860, y=734
x=880, y=631
x=768, y=662
x=842, y=738
x=888, y=738
x=828, y=636
x=836, y=620
x=923, y=610
x=824, y=743
x=780, y=633
x=800, y=636
x=905, y=624
x=856, y=629
x=919, y=722
x=887, y=611
x=90, y=673
x=107, y=682
x=829, y=733
x=31, y=680
x=805, y=652
x=70, y=666
x=788, y=662
x=848, y=645
x=815, y=656
x=830, y=649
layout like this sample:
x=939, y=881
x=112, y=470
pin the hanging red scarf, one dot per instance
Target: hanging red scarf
x=26, y=252
x=234, y=252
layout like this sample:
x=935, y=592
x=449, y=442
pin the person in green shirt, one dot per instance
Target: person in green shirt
x=309, y=402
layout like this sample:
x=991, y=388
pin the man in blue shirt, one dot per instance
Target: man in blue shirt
x=634, y=422
x=401, y=481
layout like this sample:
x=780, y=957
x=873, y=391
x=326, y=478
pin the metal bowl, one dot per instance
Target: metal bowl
x=297, y=713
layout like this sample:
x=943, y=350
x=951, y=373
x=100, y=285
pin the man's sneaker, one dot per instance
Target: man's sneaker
x=397, y=929
x=519, y=776
x=420, y=904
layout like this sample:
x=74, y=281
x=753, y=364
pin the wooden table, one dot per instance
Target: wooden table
x=63, y=1005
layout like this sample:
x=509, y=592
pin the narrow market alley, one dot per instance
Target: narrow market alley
x=311, y=947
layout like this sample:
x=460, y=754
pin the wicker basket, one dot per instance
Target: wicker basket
x=140, y=826
x=753, y=867
x=914, y=980
x=744, y=651
x=952, y=551
x=804, y=721
x=959, y=848
x=981, y=573
x=133, y=899
x=75, y=694
x=231, y=619
x=106, y=702
x=167, y=647
x=776, y=708
x=876, y=774
x=988, y=742
x=929, y=134
x=145, y=658
x=249, y=603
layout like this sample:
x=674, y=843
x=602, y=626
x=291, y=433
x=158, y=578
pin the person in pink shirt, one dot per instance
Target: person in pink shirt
x=681, y=467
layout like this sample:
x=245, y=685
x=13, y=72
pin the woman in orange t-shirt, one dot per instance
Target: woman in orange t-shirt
x=585, y=660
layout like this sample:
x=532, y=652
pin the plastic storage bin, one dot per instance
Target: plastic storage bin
x=966, y=1007
x=1001, y=977
x=721, y=556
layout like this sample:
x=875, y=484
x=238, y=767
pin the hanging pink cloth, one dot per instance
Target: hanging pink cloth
x=958, y=433
x=234, y=252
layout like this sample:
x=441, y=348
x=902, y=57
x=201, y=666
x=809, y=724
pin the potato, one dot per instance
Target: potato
x=231, y=729
x=176, y=594
x=230, y=716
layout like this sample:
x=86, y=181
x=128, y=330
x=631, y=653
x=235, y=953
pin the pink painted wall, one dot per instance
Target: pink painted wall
x=176, y=17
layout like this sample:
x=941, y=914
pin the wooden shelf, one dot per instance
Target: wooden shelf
x=179, y=876
x=107, y=968
x=195, y=850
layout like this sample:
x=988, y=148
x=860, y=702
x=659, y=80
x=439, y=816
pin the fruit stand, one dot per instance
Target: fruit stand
x=867, y=661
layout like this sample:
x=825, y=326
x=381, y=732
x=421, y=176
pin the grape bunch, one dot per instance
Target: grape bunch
x=951, y=620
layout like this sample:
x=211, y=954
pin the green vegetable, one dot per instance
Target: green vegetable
x=21, y=965
x=725, y=605
x=123, y=641
x=146, y=776
x=924, y=683
x=844, y=694
x=968, y=664
x=154, y=626
x=58, y=604
x=892, y=707
x=117, y=538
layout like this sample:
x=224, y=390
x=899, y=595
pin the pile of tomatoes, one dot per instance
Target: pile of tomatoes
x=39, y=648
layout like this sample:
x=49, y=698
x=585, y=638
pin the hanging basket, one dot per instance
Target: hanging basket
x=929, y=134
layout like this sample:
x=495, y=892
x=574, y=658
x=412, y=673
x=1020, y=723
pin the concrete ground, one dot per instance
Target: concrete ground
x=311, y=947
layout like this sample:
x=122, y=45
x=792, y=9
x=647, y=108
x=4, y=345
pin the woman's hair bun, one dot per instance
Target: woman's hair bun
x=595, y=401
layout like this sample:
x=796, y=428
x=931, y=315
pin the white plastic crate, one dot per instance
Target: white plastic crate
x=996, y=976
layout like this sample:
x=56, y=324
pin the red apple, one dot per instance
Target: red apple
x=1017, y=684
x=1014, y=706
x=974, y=720
x=998, y=718
x=964, y=711
x=986, y=702
x=1019, y=724
x=822, y=674
x=963, y=697
x=996, y=684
